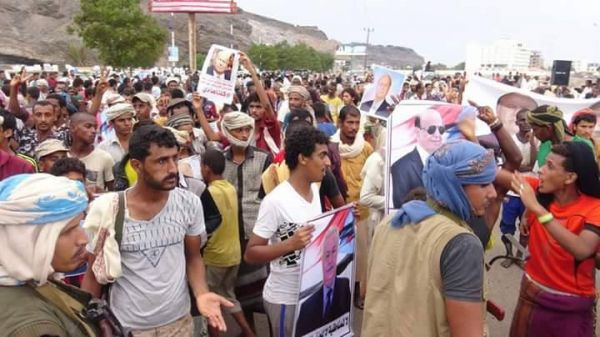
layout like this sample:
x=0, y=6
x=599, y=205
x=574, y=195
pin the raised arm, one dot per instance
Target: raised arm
x=513, y=161
x=260, y=90
x=197, y=102
x=15, y=83
x=101, y=88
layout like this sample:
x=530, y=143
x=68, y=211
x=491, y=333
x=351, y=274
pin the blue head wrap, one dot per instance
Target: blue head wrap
x=453, y=165
x=38, y=199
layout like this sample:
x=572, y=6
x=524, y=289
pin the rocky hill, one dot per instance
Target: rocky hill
x=35, y=31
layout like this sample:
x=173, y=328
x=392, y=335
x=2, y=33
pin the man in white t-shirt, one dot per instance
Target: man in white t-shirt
x=512, y=206
x=98, y=163
x=281, y=230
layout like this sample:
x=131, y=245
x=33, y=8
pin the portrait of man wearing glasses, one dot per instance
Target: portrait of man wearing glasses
x=407, y=171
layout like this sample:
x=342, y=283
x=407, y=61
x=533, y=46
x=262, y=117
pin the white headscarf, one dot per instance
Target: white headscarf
x=234, y=120
x=34, y=209
x=117, y=110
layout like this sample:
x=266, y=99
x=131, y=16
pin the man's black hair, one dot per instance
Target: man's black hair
x=138, y=87
x=143, y=137
x=148, y=86
x=348, y=110
x=215, y=160
x=252, y=99
x=65, y=165
x=320, y=110
x=60, y=98
x=177, y=93
x=10, y=122
x=299, y=114
x=77, y=82
x=585, y=117
x=33, y=92
x=303, y=139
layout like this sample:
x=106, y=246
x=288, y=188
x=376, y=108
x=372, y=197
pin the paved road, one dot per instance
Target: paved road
x=503, y=289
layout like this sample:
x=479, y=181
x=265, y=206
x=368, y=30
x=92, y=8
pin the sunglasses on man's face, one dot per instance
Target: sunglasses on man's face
x=431, y=129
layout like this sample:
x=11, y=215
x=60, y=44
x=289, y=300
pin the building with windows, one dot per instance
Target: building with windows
x=350, y=57
x=500, y=55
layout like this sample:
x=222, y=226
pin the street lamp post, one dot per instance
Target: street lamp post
x=368, y=30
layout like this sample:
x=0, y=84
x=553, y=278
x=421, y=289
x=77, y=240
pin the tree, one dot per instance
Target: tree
x=286, y=56
x=200, y=57
x=121, y=33
x=460, y=66
x=439, y=66
x=77, y=54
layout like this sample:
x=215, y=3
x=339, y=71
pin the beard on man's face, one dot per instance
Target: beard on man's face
x=168, y=183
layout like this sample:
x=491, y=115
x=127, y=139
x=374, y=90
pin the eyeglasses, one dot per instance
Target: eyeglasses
x=431, y=129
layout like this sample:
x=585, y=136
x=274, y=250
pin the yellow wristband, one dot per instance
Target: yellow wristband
x=544, y=219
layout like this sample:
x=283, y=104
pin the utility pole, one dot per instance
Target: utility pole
x=368, y=30
x=231, y=33
x=192, y=40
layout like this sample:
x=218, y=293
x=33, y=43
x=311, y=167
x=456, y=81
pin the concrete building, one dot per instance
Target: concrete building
x=536, y=61
x=350, y=57
x=500, y=55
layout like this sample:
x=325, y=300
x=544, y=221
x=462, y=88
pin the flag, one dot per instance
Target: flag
x=193, y=6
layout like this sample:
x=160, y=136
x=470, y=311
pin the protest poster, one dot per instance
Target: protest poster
x=417, y=129
x=378, y=99
x=507, y=100
x=218, y=75
x=327, y=278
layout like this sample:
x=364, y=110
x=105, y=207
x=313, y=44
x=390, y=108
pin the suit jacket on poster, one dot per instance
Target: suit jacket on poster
x=311, y=312
x=406, y=175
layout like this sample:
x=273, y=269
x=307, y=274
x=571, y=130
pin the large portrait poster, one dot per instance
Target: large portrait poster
x=417, y=129
x=327, y=277
x=218, y=75
x=507, y=101
x=378, y=98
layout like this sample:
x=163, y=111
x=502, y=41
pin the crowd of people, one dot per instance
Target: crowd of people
x=134, y=206
x=543, y=85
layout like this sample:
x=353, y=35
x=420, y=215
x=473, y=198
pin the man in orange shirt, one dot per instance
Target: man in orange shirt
x=558, y=294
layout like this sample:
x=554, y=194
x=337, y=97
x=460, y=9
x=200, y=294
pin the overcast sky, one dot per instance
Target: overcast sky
x=439, y=30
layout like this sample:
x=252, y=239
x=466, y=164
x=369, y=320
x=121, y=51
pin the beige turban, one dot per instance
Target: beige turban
x=112, y=99
x=235, y=120
x=118, y=110
x=300, y=90
x=182, y=137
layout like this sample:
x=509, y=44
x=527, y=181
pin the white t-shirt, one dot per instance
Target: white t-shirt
x=281, y=212
x=98, y=168
x=153, y=290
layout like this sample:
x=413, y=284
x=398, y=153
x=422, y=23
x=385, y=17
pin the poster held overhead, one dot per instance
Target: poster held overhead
x=379, y=98
x=325, y=298
x=218, y=75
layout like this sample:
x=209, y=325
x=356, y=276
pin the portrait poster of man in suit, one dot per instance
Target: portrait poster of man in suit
x=216, y=82
x=406, y=171
x=221, y=64
x=379, y=100
x=416, y=130
x=325, y=305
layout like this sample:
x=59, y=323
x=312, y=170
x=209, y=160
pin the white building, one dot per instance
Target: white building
x=502, y=55
x=350, y=57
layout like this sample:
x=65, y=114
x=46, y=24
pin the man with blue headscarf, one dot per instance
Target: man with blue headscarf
x=426, y=266
x=40, y=236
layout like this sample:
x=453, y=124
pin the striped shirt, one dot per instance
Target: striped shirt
x=246, y=178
